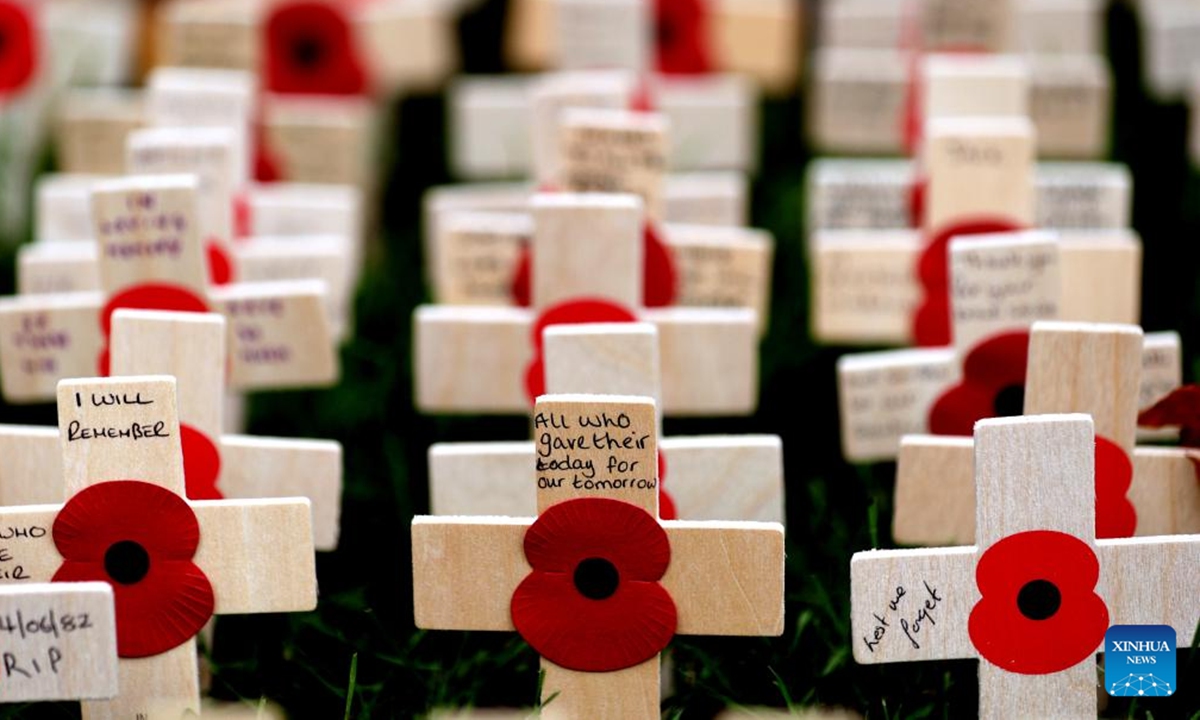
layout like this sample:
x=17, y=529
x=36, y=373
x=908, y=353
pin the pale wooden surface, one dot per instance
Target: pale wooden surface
x=627, y=693
x=212, y=154
x=1000, y=283
x=129, y=216
x=1087, y=368
x=189, y=346
x=446, y=550
x=52, y=662
x=763, y=39
x=596, y=446
x=979, y=167
x=63, y=206
x=279, y=334
x=614, y=151
x=321, y=139
x=1162, y=372
x=723, y=267
x=325, y=258
x=711, y=477
x=975, y=86
x=697, y=346
x=885, y=395
x=47, y=338
x=603, y=359
x=476, y=256
x=91, y=127
x=550, y=95
x=602, y=34
x=57, y=266
x=605, y=261
x=863, y=289
x=1101, y=277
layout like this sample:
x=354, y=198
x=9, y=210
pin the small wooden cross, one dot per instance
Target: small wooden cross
x=151, y=257
x=1072, y=367
x=189, y=347
x=760, y=39
x=172, y=563
x=59, y=639
x=496, y=121
x=453, y=343
x=1033, y=597
x=718, y=477
x=999, y=286
x=596, y=473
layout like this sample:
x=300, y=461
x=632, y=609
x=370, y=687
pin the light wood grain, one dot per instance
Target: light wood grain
x=603, y=359
x=935, y=491
x=862, y=286
x=615, y=151
x=979, y=167
x=712, y=477
x=628, y=693
x=975, y=85
x=91, y=126
x=46, y=338
x=602, y=34
x=723, y=267
x=1101, y=278
x=52, y=662
x=587, y=245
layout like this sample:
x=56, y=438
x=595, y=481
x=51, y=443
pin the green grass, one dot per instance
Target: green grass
x=359, y=655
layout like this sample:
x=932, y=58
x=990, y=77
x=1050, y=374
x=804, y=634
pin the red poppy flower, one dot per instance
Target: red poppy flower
x=931, y=324
x=201, y=464
x=140, y=539
x=1038, y=611
x=310, y=49
x=659, y=278
x=268, y=167
x=18, y=47
x=666, y=504
x=916, y=201
x=570, y=312
x=220, y=265
x=681, y=37
x=593, y=602
x=147, y=296
x=993, y=385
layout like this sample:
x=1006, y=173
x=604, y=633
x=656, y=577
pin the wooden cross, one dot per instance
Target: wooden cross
x=713, y=119
x=729, y=477
x=862, y=86
x=1033, y=597
x=1000, y=285
x=60, y=640
x=190, y=347
x=125, y=520
x=1072, y=368
x=722, y=579
x=453, y=343
x=760, y=39
x=149, y=248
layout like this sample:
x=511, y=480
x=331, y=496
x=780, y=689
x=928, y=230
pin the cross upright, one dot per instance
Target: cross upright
x=151, y=257
x=595, y=553
x=709, y=355
x=1033, y=598
x=172, y=563
x=1071, y=368
x=716, y=477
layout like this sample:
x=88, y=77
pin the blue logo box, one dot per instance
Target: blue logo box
x=1139, y=660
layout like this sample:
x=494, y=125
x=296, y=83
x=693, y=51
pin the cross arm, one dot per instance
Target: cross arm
x=935, y=491
x=259, y=467
x=1152, y=581
x=44, y=338
x=258, y=554
x=726, y=578
x=911, y=605
x=30, y=465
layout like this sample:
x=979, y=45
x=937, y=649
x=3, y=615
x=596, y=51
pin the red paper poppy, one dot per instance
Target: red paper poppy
x=18, y=48
x=993, y=385
x=310, y=49
x=571, y=312
x=140, y=539
x=666, y=504
x=681, y=37
x=593, y=602
x=1038, y=611
x=931, y=325
x=147, y=296
x=659, y=278
x=201, y=464
x=220, y=265
x=268, y=167
x=1115, y=515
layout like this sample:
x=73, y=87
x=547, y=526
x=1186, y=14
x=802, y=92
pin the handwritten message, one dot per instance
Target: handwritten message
x=596, y=449
x=44, y=339
x=477, y=257
x=864, y=290
x=911, y=616
x=614, y=151
x=1000, y=285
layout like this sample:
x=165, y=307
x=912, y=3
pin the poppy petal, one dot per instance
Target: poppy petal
x=992, y=367
x=1115, y=515
x=311, y=50
x=151, y=296
x=570, y=312
x=1038, y=612
x=659, y=283
x=106, y=513
x=666, y=504
x=19, y=50
x=201, y=464
x=1181, y=407
x=681, y=45
x=619, y=532
x=522, y=279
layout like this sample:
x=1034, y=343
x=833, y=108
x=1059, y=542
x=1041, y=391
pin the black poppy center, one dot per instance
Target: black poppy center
x=1010, y=401
x=308, y=51
x=126, y=562
x=596, y=578
x=666, y=32
x=1039, y=599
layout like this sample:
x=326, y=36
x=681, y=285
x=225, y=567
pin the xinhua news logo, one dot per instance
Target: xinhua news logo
x=1139, y=660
